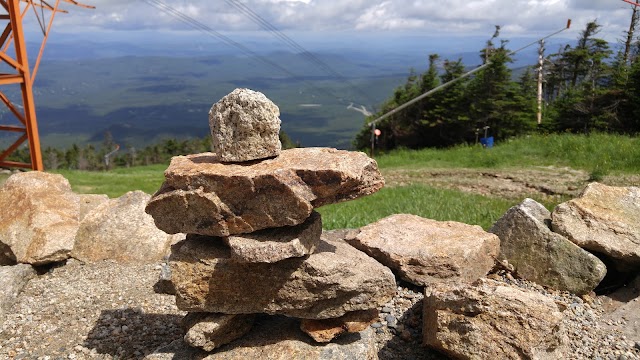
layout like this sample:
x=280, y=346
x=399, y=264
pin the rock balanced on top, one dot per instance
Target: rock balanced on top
x=253, y=238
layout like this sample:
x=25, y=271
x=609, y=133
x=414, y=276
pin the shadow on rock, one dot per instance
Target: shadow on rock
x=131, y=334
x=406, y=342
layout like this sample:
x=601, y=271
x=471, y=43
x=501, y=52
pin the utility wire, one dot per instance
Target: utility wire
x=295, y=46
x=160, y=5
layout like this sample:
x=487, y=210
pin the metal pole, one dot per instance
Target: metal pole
x=540, y=79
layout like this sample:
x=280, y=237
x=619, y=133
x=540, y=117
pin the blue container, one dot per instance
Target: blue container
x=487, y=142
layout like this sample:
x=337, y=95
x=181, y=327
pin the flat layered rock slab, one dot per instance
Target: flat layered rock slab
x=334, y=280
x=424, y=251
x=39, y=218
x=492, y=321
x=278, y=338
x=273, y=245
x=542, y=256
x=203, y=196
x=604, y=219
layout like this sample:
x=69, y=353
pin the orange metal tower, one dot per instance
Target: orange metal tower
x=22, y=74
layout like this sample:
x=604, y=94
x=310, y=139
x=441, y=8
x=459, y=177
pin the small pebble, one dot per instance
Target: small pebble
x=376, y=325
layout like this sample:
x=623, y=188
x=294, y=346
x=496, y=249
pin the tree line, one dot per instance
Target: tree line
x=587, y=87
x=93, y=157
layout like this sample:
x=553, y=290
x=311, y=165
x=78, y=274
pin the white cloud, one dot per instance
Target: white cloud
x=463, y=17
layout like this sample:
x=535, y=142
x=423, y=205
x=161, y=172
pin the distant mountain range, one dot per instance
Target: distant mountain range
x=144, y=90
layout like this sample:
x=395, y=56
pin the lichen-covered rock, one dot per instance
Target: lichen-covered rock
x=39, y=218
x=334, y=280
x=542, y=256
x=120, y=230
x=273, y=245
x=424, y=251
x=603, y=219
x=205, y=197
x=492, y=321
x=209, y=331
x=245, y=126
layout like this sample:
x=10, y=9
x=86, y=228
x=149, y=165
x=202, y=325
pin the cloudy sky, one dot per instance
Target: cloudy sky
x=423, y=17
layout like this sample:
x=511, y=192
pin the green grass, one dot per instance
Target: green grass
x=116, y=182
x=437, y=204
x=596, y=153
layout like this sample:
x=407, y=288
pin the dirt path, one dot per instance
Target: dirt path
x=551, y=183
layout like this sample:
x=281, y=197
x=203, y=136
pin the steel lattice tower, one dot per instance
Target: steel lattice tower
x=13, y=52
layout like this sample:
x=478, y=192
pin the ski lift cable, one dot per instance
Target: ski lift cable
x=188, y=20
x=465, y=75
x=295, y=45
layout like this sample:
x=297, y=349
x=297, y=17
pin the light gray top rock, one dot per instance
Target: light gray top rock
x=245, y=126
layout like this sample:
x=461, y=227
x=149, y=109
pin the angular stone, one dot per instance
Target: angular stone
x=39, y=218
x=273, y=245
x=278, y=338
x=542, y=256
x=245, y=126
x=202, y=196
x=325, y=330
x=89, y=202
x=208, y=331
x=120, y=230
x=603, y=219
x=490, y=320
x=425, y=252
x=12, y=280
x=334, y=280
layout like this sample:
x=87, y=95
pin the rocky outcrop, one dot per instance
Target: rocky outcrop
x=603, y=219
x=245, y=126
x=426, y=252
x=210, y=331
x=332, y=281
x=323, y=331
x=88, y=202
x=278, y=338
x=491, y=321
x=39, y=218
x=273, y=245
x=120, y=230
x=12, y=280
x=203, y=196
x=542, y=256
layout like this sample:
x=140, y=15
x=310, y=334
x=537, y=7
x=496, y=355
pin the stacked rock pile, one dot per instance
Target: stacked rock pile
x=254, y=242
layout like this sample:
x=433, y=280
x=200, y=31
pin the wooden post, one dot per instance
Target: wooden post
x=540, y=79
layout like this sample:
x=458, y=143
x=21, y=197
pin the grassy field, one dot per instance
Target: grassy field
x=597, y=154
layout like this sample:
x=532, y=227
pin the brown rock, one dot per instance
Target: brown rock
x=603, y=219
x=325, y=330
x=542, y=256
x=39, y=218
x=334, y=280
x=492, y=321
x=424, y=251
x=89, y=202
x=202, y=196
x=273, y=245
x=245, y=126
x=120, y=230
x=210, y=331
x=278, y=338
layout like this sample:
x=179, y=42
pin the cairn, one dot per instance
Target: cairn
x=253, y=243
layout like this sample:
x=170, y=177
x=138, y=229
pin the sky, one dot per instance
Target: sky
x=518, y=18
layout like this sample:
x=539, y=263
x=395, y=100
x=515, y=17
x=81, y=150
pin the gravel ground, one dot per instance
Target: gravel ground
x=110, y=311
